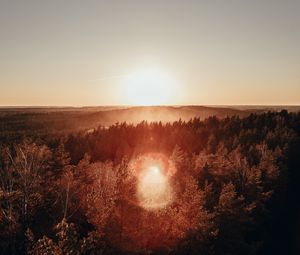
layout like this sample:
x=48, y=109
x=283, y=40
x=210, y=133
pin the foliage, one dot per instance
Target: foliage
x=235, y=189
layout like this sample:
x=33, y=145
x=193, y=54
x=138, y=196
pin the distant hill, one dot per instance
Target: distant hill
x=164, y=113
x=24, y=120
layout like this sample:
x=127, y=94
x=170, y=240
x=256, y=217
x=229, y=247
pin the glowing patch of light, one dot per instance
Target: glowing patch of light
x=154, y=190
x=149, y=87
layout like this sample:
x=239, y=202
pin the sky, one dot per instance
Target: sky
x=121, y=52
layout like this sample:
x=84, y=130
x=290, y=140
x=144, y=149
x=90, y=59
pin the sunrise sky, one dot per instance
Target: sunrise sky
x=149, y=52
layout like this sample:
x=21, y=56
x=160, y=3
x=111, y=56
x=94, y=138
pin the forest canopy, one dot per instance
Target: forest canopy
x=225, y=186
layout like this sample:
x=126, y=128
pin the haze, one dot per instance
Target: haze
x=213, y=52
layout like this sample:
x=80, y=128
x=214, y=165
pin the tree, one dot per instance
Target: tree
x=24, y=167
x=233, y=218
x=99, y=197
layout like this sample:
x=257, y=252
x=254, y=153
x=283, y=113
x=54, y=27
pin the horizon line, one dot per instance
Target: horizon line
x=163, y=105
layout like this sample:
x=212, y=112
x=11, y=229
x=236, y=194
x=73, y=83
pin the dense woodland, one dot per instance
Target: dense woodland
x=236, y=185
x=18, y=122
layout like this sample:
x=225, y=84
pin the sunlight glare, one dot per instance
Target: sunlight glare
x=149, y=87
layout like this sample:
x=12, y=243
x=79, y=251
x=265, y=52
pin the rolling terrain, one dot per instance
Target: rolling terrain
x=68, y=119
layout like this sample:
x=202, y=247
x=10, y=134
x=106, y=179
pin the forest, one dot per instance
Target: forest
x=228, y=186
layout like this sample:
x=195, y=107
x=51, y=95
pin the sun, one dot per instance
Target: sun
x=149, y=87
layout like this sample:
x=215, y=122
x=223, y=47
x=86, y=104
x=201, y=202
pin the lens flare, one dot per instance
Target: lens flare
x=154, y=190
x=158, y=209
